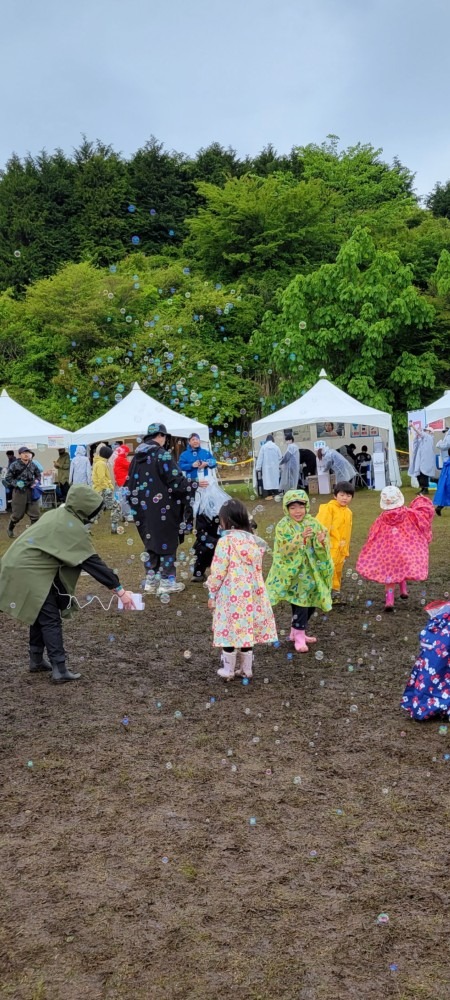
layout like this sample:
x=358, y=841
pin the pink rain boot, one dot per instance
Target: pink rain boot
x=227, y=670
x=292, y=634
x=310, y=638
x=404, y=590
x=389, y=605
x=300, y=641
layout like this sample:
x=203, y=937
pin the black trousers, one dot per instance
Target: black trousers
x=47, y=631
x=423, y=481
x=300, y=616
x=164, y=565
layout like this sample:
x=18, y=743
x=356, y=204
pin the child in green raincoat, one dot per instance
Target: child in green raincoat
x=302, y=568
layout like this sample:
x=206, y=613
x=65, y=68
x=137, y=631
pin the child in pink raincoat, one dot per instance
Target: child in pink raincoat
x=237, y=593
x=397, y=547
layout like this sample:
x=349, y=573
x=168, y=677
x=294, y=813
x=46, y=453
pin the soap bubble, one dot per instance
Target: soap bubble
x=302, y=325
x=378, y=618
x=252, y=821
x=17, y=253
x=178, y=714
x=135, y=240
x=12, y=606
x=131, y=208
x=382, y=918
x=187, y=654
x=319, y=655
x=165, y=599
x=297, y=780
x=165, y=860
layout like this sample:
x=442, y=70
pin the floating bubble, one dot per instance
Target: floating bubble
x=131, y=208
x=165, y=860
x=382, y=919
x=29, y=763
x=252, y=821
x=165, y=599
x=313, y=854
x=125, y=721
x=135, y=240
x=297, y=780
x=17, y=253
x=187, y=654
x=442, y=730
x=178, y=714
x=302, y=325
x=12, y=606
x=319, y=655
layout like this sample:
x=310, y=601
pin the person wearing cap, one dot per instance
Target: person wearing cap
x=427, y=692
x=423, y=463
x=158, y=493
x=22, y=478
x=398, y=544
x=196, y=458
x=302, y=568
x=39, y=573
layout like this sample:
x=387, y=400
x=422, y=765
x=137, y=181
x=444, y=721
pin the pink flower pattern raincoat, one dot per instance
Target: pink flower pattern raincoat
x=398, y=543
x=242, y=615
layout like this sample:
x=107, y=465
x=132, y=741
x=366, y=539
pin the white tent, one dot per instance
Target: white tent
x=131, y=417
x=439, y=409
x=20, y=426
x=325, y=402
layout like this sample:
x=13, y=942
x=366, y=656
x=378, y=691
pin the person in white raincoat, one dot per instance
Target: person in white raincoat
x=80, y=468
x=332, y=461
x=423, y=463
x=268, y=463
x=444, y=445
x=290, y=466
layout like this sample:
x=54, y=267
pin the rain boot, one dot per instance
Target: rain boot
x=227, y=670
x=10, y=529
x=60, y=673
x=292, y=634
x=404, y=590
x=244, y=663
x=310, y=638
x=389, y=605
x=38, y=663
x=438, y=511
x=300, y=641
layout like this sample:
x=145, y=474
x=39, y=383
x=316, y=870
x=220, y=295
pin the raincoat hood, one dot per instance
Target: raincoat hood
x=123, y=449
x=295, y=496
x=80, y=450
x=83, y=503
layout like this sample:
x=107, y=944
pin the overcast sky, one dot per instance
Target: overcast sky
x=242, y=72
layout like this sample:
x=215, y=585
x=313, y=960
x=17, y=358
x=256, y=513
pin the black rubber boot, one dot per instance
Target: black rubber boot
x=60, y=673
x=438, y=511
x=38, y=663
x=10, y=529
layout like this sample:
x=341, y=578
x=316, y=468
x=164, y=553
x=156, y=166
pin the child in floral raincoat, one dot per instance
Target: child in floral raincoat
x=397, y=547
x=427, y=692
x=302, y=567
x=237, y=594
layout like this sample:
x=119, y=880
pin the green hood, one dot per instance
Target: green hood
x=302, y=569
x=291, y=496
x=83, y=502
x=56, y=545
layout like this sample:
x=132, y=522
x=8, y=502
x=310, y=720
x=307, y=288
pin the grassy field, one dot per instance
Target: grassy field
x=129, y=865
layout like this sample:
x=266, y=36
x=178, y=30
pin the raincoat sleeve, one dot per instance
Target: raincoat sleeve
x=219, y=567
x=174, y=479
x=96, y=568
x=71, y=473
x=421, y=510
x=185, y=462
x=287, y=539
x=259, y=460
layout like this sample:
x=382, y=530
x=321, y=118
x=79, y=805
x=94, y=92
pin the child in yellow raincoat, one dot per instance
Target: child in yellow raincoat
x=337, y=517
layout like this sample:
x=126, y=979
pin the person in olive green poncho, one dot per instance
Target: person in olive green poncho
x=39, y=573
x=302, y=568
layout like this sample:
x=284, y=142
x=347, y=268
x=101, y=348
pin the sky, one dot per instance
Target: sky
x=240, y=72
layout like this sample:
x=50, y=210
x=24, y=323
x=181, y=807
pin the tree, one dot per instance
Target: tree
x=362, y=319
x=439, y=200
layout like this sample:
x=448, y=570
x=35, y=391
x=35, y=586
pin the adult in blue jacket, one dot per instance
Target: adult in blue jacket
x=195, y=457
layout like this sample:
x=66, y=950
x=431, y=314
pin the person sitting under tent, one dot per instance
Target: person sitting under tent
x=363, y=460
x=268, y=464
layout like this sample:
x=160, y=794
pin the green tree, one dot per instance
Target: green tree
x=363, y=320
x=439, y=200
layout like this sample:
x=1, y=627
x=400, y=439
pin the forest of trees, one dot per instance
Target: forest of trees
x=222, y=285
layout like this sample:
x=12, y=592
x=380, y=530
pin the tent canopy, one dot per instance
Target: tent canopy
x=19, y=426
x=131, y=417
x=439, y=409
x=323, y=402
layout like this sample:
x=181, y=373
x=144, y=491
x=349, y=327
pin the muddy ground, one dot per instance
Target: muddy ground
x=129, y=865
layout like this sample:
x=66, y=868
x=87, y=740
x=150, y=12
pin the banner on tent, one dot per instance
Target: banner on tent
x=57, y=441
x=7, y=446
x=363, y=431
